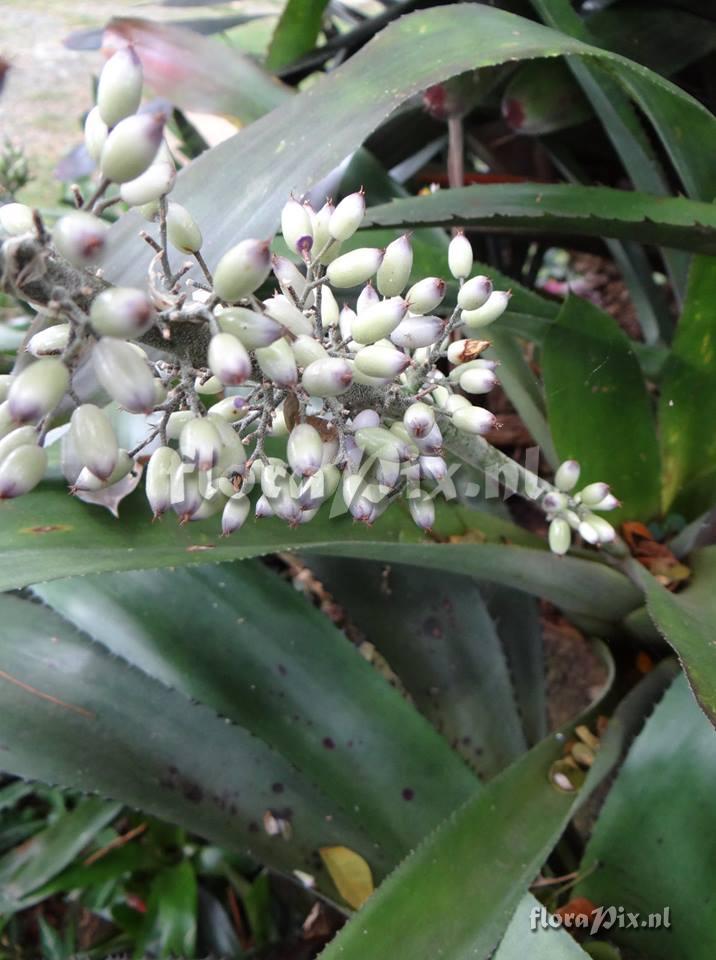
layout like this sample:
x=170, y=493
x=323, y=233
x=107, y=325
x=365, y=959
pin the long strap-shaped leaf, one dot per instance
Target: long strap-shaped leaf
x=237, y=189
x=455, y=895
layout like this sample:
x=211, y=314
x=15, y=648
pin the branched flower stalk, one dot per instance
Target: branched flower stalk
x=370, y=395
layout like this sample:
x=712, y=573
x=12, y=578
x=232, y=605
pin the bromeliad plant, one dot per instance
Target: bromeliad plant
x=437, y=803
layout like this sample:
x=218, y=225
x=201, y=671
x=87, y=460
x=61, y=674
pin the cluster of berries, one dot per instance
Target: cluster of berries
x=569, y=510
x=356, y=388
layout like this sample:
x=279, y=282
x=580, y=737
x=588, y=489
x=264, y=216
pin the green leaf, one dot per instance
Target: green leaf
x=485, y=854
x=542, y=98
x=304, y=139
x=48, y=535
x=319, y=705
x=171, y=913
x=558, y=209
x=117, y=731
x=655, y=838
x=687, y=403
x=599, y=408
x=436, y=634
x=296, y=32
x=686, y=621
x=522, y=938
x=49, y=852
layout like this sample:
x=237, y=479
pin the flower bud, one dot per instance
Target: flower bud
x=433, y=468
x=94, y=440
x=560, y=536
x=329, y=308
x=200, y=443
x=554, y=502
x=474, y=293
x=131, y=146
x=346, y=218
x=36, y=390
x=51, y=341
x=327, y=378
x=156, y=181
x=182, y=230
x=368, y=297
x=490, y=311
x=122, y=312
x=95, y=131
x=422, y=510
x=381, y=361
x=124, y=374
x=304, y=450
x=80, y=237
x=425, y=295
x=280, y=309
x=251, y=328
x=593, y=493
x=307, y=350
x=278, y=363
x=242, y=270
x=296, y=226
x=236, y=511
x=477, y=380
x=415, y=332
x=119, y=90
x=228, y=359
x=16, y=219
x=465, y=351
x=394, y=271
x=355, y=267
x=460, y=256
x=379, y=320
x=419, y=419
x=567, y=476
x=19, y=437
x=21, y=470
x=290, y=278
x=163, y=465
x=473, y=420
x=366, y=418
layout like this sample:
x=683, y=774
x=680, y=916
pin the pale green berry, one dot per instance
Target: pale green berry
x=88, y=481
x=182, y=230
x=95, y=440
x=186, y=492
x=21, y=470
x=422, y=510
x=232, y=458
x=51, y=341
x=290, y=279
x=306, y=350
x=80, y=237
x=236, y=511
x=368, y=297
x=228, y=359
x=37, y=390
x=610, y=502
x=124, y=374
x=456, y=402
x=330, y=311
x=468, y=351
x=242, y=270
x=150, y=211
x=346, y=319
x=162, y=467
x=296, y=226
x=200, y=443
x=17, y=438
x=419, y=419
x=379, y=320
x=415, y=332
x=347, y=217
x=5, y=381
x=7, y=424
x=251, y=328
x=354, y=267
x=230, y=409
x=589, y=532
x=394, y=271
x=96, y=131
x=131, y=146
x=122, y=312
x=156, y=181
x=365, y=380
x=560, y=536
x=554, y=502
x=567, y=476
x=433, y=468
x=280, y=309
x=208, y=387
x=304, y=450
x=593, y=494
x=474, y=293
x=119, y=90
x=321, y=232
x=425, y=295
x=460, y=256
x=605, y=530
x=279, y=427
x=177, y=421
x=474, y=420
x=263, y=508
x=327, y=378
x=278, y=363
x=366, y=418
x=477, y=380
x=16, y=219
x=381, y=361
x=490, y=311
x=381, y=443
